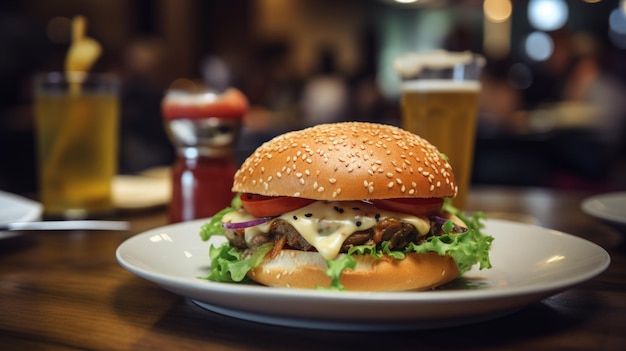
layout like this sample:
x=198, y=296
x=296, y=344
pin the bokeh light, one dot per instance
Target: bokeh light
x=497, y=10
x=520, y=75
x=548, y=15
x=539, y=46
x=617, y=21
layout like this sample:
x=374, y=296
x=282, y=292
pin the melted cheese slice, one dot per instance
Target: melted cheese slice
x=327, y=224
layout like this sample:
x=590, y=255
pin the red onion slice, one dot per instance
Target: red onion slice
x=246, y=224
x=442, y=220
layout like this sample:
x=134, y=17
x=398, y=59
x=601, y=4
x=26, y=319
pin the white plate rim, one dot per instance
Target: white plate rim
x=203, y=292
x=589, y=206
x=23, y=210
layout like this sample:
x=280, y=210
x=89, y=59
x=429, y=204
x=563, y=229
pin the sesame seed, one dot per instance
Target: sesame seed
x=390, y=185
x=432, y=187
x=320, y=189
x=332, y=180
x=389, y=175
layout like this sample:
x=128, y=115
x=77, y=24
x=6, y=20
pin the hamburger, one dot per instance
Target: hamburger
x=356, y=206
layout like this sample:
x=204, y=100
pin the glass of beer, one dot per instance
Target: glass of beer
x=440, y=103
x=77, y=118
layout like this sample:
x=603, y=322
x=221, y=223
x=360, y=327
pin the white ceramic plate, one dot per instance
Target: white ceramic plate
x=609, y=207
x=530, y=263
x=15, y=208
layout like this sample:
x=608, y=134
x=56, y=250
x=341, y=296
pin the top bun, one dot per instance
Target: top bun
x=347, y=161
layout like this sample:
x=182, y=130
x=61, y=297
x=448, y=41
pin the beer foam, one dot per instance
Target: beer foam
x=441, y=85
x=412, y=64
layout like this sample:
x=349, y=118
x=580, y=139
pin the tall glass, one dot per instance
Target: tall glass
x=440, y=103
x=77, y=118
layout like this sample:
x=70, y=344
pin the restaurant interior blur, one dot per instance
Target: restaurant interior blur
x=552, y=108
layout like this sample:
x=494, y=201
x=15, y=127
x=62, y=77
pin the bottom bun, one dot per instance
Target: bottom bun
x=300, y=269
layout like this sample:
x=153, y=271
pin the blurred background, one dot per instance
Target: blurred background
x=553, y=104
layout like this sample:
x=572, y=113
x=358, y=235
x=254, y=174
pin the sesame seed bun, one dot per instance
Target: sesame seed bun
x=302, y=269
x=347, y=161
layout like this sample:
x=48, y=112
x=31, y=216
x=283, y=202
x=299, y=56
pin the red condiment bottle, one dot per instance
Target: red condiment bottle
x=203, y=127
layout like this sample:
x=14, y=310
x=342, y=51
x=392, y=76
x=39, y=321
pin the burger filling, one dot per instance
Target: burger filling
x=332, y=227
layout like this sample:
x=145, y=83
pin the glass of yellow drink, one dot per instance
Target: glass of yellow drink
x=440, y=103
x=77, y=118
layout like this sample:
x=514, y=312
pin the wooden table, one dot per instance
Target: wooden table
x=66, y=291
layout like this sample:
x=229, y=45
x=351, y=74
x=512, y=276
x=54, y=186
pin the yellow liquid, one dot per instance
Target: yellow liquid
x=444, y=113
x=77, y=142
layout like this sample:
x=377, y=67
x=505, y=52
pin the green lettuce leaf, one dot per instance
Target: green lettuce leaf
x=228, y=265
x=215, y=227
x=335, y=268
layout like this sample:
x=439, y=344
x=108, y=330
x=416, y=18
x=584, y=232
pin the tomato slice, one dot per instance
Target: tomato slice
x=269, y=206
x=416, y=207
